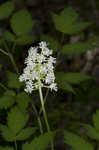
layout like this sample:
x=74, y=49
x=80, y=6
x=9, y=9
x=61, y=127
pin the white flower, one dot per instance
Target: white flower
x=50, y=78
x=39, y=69
x=53, y=86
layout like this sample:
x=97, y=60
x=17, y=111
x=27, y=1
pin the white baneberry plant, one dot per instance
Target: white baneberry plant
x=39, y=73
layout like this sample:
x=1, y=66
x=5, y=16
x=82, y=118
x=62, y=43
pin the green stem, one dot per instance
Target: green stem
x=40, y=125
x=5, y=88
x=4, y=52
x=13, y=63
x=10, y=55
x=45, y=115
x=15, y=145
x=38, y=118
x=45, y=98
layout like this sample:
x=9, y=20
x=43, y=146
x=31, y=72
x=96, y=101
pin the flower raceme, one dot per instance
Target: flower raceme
x=39, y=69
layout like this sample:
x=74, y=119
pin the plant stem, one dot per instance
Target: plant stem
x=45, y=115
x=10, y=55
x=38, y=118
x=13, y=63
x=45, y=98
x=40, y=125
x=15, y=145
x=4, y=52
x=5, y=88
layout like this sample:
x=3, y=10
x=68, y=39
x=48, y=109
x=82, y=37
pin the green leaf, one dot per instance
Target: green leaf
x=6, y=9
x=25, y=133
x=77, y=142
x=96, y=120
x=78, y=27
x=77, y=48
x=39, y=143
x=52, y=43
x=21, y=22
x=13, y=80
x=66, y=22
x=69, y=14
x=6, y=148
x=7, y=99
x=91, y=132
x=9, y=36
x=22, y=100
x=65, y=19
x=62, y=82
x=74, y=78
x=16, y=120
x=7, y=133
x=25, y=39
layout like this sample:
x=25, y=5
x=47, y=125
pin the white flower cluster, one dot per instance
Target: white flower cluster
x=39, y=69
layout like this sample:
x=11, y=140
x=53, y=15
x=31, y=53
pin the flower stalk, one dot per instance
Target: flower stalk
x=45, y=116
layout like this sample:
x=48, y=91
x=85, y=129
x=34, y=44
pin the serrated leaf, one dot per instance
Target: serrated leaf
x=39, y=143
x=62, y=83
x=16, y=120
x=9, y=36
x=13, y=80
x=66, y=22
x=7, y=99
x=91, y=132
x=22, y=100
x=6, y=9
x=77, y=142
x=6, y=148
x=77, y=48
x=74, y=77
x=96, y=120
x=65, y=19
x=21, y=22
x=7, y=133
x=25, y=133
x=52, y=43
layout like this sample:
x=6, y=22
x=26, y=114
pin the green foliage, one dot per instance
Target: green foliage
x=65, y=79
x=9, y=36
x=14, y=130
x=77, y=48
x=9, y=136
x=13, y=81
x=25, y=133
x=66, y=22
x=39, y=143
x=22, y=100
x=16, y=120
x=96, y=120
x=53, y=43
x=7, y=100
x=6, y=148
x=25, y=39
x=21, y=22
x=91, y=132
x=20, y=40
x=6, y=133
x=77, y=142
x=6, y=9
x=74, y=78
